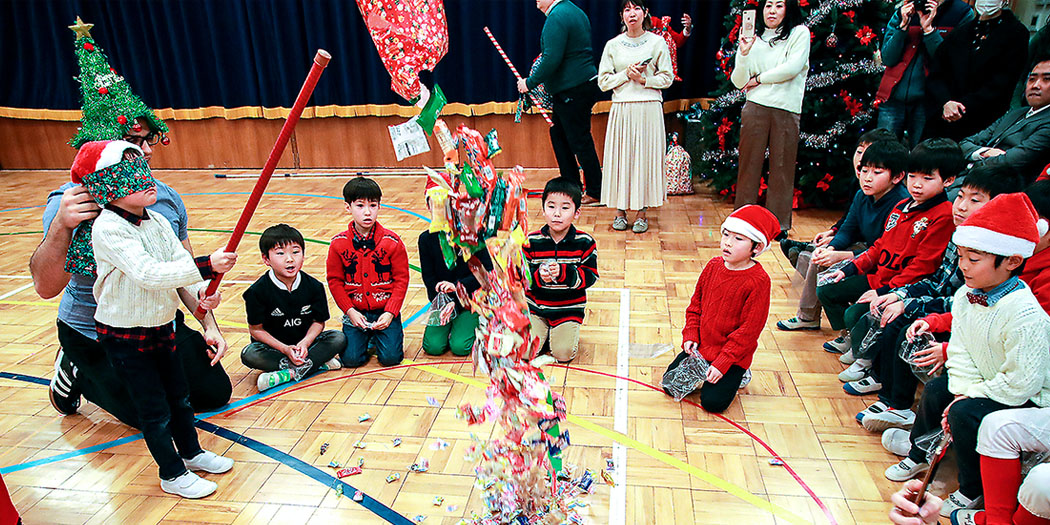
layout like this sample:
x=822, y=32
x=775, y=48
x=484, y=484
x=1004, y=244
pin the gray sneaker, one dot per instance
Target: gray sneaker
x=640, y=225
x=619, y=223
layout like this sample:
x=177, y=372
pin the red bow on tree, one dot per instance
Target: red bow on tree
x=723, y=129
x=865, y=35
x=852, y=105
x=824, y=183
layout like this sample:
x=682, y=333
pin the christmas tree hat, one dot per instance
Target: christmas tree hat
x=110, y=108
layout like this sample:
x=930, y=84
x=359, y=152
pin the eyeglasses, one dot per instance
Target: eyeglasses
x=151, y=140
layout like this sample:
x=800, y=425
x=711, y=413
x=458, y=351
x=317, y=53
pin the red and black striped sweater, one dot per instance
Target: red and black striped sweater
x=577, y=258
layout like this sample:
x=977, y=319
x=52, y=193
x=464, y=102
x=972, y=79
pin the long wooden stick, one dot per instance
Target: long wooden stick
x=514, y=70
x=320, y=61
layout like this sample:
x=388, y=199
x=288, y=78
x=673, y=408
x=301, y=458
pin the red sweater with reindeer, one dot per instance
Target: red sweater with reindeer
x=368, y=273
x=911, y=247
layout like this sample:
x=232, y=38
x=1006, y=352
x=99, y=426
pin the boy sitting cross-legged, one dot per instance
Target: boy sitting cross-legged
x=997, y=353
x=287, y=310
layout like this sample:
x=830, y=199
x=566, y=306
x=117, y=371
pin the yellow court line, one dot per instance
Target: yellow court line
x=663, y=457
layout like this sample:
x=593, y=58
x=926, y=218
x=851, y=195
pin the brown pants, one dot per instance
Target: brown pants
x=564, y=338
x=762, y=126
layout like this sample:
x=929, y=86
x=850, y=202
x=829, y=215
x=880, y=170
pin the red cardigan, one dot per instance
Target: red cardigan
x=911, y=247
x=727, y=313
x=368, y=279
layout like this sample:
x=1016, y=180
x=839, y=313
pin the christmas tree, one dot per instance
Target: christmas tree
x=837, y=107
x=110, y=108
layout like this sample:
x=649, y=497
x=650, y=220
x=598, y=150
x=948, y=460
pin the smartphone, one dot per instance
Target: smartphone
x=645, y=62
x=747, y=23
x=921, y=6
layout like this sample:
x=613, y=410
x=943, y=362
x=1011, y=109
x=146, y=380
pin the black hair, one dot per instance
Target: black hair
x=999, y=259
x=994, y=180
x=887, y=154
x=1042, y=56
x=564, y=186
x=875, y=135
x=279, y=235
x=792, y=18
x=1039, y=194
x=647, y=22
x=937, y=154
x=361, y=188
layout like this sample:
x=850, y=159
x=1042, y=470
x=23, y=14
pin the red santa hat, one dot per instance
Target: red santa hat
x=97, y=156
x=755, y=223
x=1007, y=225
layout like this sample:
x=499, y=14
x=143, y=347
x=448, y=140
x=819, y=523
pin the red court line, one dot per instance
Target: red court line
x=827, y=512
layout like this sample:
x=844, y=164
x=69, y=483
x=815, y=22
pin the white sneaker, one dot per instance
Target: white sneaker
x=862, y=387
x=906, y=469
x=897, y=441
x=956, y=501
x=847, y=358
x=840, y=344
x=209, y=462
x=965, y=517
x=888, y=418
x=333, y=364
x=189, y=485
x=856, y=371
x=268, y=380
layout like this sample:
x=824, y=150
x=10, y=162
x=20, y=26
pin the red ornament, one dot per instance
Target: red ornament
x=122, y=120
x=137, y=127
x=103, y=91
x=89, y=46
x=803, y=3
x=165, y=140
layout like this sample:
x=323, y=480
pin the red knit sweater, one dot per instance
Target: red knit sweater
x=911, y=247
x=727, y=313
x=368, y=279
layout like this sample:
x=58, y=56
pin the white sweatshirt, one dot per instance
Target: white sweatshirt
x=782, y=69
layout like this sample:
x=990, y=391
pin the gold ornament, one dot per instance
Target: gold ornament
x=82, y=29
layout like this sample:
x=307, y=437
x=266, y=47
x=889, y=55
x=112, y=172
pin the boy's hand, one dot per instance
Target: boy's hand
x=445, y=287
x=944, y=416
x=889, y=312
x=953, y=111
x=827, y=257
x=554, y=271
x=296, y=354
x=216, y=344
x=76, y=206
x=691, y=347
x=906, y=512
x=836, y=276
x=868, y=296
x=916, y=328
x=883, y=301
x=383, y=321
x=823, y=239
x=222, y=261
x=930, y=356
x=713, y=375
x=357, y=319
x=208, y=303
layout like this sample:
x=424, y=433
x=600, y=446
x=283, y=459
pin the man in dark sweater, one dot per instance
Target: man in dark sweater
x=567, y=70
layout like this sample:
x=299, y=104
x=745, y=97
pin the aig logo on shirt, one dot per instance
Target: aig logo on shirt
x=293, y=322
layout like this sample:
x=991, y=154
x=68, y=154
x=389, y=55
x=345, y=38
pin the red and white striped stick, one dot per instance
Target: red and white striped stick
x=535, y=101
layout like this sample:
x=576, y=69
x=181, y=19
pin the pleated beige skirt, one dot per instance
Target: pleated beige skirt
x=633, y=169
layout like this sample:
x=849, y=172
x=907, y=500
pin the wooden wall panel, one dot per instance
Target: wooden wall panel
x=322, y=143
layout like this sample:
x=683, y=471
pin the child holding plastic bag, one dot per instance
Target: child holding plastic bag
x=712, y=339
x=450, y=326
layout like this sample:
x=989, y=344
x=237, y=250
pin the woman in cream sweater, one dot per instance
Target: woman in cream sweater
x=635, y=65
x=772, y=69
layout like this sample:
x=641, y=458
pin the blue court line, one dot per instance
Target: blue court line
x=370, y=503
x=23, y=377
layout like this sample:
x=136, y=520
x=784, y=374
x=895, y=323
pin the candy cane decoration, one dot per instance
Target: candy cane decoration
x=535, y=101
x=320, y=61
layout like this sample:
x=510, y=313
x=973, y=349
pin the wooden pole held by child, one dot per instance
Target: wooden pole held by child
x=320, y=61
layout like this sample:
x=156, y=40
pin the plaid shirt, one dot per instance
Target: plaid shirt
x=933, y=294
x=203, y=262
x=150, y=339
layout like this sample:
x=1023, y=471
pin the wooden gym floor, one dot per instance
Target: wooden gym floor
x=676, y=464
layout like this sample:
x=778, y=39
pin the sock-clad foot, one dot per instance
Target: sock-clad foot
x=955, y=502
x=63, y=391
x=333, y=364
x=189, y=485
x=907, y=469
x=209, y=462
x=796, y=323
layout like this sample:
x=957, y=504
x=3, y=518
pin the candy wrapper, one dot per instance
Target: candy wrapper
x=824, y=278
x=449, y=145
x=442, y=310
x=685, y=378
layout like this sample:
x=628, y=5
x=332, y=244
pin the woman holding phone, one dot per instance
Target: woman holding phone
x=635, y=66
x=771, y=69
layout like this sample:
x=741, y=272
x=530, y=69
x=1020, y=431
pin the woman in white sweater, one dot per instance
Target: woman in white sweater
x=635, y=65
x=772, y=70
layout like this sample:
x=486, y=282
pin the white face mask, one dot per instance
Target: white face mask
x=987, y=7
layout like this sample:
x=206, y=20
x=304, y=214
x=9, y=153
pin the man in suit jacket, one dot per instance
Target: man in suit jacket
x=1020, y=138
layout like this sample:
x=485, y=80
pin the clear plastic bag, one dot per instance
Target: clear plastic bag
x=910, y=348
x=824, y=278
x=298, y=372
x=685, y=378
x=647, y=351
x=930, y=443
x=442, y=310
x=865, y=349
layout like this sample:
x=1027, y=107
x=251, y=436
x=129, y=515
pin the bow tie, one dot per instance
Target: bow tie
x=977, y=298
x=364, y=244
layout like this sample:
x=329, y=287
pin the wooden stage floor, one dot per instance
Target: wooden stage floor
x=682, y=466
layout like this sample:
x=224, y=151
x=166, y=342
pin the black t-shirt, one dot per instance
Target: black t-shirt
x=286, y=315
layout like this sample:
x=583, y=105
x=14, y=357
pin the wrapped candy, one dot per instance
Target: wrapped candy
x=492, y=143
x=449, y=145
x=478, y=155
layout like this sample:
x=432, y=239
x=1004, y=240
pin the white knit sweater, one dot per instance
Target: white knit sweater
x=623, y=51
x=781, y=68
x=139, y=269
x=1000, y=352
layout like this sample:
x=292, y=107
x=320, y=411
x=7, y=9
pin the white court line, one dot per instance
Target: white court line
x=15, y=291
